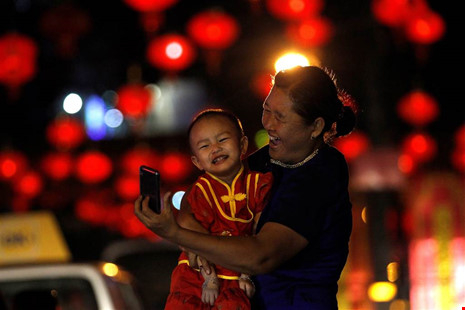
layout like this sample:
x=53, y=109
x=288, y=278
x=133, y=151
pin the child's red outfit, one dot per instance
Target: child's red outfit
x=224, y=211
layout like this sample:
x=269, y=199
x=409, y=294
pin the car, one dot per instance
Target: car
x=68, y=286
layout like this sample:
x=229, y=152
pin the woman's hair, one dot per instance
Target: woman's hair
x=217, y=112
x=314, y=94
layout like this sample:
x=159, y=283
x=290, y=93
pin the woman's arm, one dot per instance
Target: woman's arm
x=273, y=245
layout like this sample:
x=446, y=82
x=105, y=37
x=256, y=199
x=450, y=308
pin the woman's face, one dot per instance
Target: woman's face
x=290, y=137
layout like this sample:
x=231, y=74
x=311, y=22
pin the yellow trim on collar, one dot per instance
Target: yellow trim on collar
x=232, y=203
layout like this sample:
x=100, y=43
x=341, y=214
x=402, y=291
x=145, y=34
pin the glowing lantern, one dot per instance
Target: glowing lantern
x=18, y=55
x=134, y=100
x=140, y=155
x=175, y=166
x=171, y=52
x=127, y=187
x=289, y=10
x=261, y=84
x=352, y=145
x=150, y=5
x=418, y=108
x=29, y=184
x=65, y=133
x=382, y=291
x=390, y=12
x=310, y=32
x=213, y=29
x=12, y=164
x=93, y=167
x=420, y=146
x=424, y=26
x=64, y=24
x=57, y=166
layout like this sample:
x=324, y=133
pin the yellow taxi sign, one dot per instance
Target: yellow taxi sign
x=31, y=238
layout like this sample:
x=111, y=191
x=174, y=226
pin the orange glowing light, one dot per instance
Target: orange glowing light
x=382, y=291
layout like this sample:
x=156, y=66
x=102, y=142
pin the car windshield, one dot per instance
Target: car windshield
x=63, y=293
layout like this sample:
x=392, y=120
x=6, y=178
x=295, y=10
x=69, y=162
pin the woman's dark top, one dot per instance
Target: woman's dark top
x=313, y=201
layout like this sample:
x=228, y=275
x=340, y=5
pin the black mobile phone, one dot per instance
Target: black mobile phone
x=149, y=179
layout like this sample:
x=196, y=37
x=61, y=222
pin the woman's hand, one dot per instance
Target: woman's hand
x=163, y=224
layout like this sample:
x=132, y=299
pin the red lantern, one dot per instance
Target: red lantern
x=420, y=146
x=65, y=133
x=57, y=166
x=12, y=164
x=213, y=29
x=310, y=32
x=29, y=184
x=127, y=187
x=138, y=156
x=134, y=100
x=150, y=5
x=290, y=10
x=171, y=52
x=418, y=108
x=424, y=26
x=391, y=12
x=175, y=166
x=352, y=145
x=93, y=167
x=18, y=55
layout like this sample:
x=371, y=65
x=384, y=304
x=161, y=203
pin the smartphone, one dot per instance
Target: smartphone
x=149, y=179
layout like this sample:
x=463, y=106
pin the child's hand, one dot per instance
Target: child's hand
x=210, y=289
x=246, y=284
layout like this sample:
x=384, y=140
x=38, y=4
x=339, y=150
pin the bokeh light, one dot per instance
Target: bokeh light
x=72, y=103
x=291, y=60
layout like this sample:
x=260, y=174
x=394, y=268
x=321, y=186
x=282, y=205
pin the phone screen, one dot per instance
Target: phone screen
x=150, y=186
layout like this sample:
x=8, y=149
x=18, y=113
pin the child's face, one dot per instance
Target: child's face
x=217, y=147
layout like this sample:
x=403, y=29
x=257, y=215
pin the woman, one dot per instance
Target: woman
x=301, y=244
